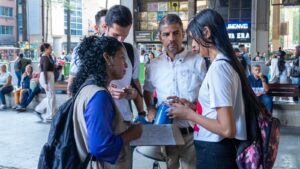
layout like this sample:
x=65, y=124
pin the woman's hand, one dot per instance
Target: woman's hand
x=116, y=92
x=175, y=99
x=133, y=132
x=181, y=111
x=131, y=93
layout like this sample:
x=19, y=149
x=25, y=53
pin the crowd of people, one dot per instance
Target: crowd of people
x=204, y=86
x=30, y=83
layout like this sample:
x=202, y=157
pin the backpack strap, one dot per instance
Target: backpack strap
x=130, y=54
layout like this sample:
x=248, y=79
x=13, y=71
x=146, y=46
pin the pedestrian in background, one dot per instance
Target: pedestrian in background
x=19, y=66
x=46, y=80
x=5, y=85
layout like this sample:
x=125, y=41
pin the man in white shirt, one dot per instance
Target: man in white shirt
x=119, y=21
x=177, y=74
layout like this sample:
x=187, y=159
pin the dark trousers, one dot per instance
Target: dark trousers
x=3, y=91
x=215, y=155
x=27, y=96
x=19, y=76
x=267, y=101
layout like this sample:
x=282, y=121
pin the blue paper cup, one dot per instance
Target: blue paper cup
x=162, y=115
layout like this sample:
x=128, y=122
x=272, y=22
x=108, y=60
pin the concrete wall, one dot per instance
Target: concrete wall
x=287, y=113
x=260, y=26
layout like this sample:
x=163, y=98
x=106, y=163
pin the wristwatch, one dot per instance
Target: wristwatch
x=142, y=113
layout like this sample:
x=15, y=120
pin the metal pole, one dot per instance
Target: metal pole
x=24, y=17
x=43, y=21
x=68, y=27
x=17, y=23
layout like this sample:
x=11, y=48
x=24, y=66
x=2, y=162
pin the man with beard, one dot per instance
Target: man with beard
x=176, y=74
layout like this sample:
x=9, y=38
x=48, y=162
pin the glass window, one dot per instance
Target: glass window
x=20, y=30
x=246, y=3
x=6, y=11
x=79, y=32
x=6, y=30
x=234, y=13
x=235, y=3
x=73, y=26
x=73, y=19
x=76, y=17
x=246, y=13
x=223, y=3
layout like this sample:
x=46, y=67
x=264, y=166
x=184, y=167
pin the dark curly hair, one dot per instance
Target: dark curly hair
x=93, y=64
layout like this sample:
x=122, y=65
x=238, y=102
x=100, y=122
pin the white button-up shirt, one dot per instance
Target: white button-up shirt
x=181, y=77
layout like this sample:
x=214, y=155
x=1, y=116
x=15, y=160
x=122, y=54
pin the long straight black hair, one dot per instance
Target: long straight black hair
x=219, y=39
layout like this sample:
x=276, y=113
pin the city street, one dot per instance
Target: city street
x=22, y=137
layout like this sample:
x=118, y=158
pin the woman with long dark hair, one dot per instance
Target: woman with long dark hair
x=99, y=127
x=222, y=119
x=47, y=82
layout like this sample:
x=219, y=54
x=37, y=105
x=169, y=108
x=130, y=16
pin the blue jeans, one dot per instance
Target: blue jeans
x=216, y=155
x=19, y=76
x=296, y=80
x=27, y=96
x=267, y=101
x=3, y=91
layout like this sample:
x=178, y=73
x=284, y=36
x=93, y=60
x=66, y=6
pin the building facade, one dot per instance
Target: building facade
x=47, y=21
x=7, y=22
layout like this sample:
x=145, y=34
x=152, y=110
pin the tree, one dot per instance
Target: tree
x=24, y=22
x=67, y=5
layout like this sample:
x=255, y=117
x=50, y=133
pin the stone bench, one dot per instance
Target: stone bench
x=60, y=89
x=284, y=90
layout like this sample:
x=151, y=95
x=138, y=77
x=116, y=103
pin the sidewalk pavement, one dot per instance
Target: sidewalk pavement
x=22, y=136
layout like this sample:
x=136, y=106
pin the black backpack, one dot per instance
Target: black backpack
x=60, y=151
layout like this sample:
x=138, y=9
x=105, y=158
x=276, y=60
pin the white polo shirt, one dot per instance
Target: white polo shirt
x=131, y=73
x=221, y=87
x=181, y=77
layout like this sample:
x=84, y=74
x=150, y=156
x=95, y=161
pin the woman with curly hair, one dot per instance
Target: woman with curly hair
x=98, y=125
